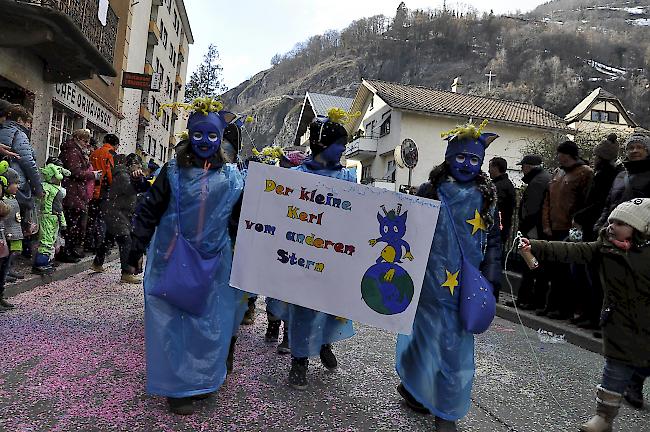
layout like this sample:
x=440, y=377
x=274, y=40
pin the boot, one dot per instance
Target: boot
x=6, y=305
x=249, y=316
x=411, y=402
x=130, y=279
x=65, y=257
x=607, y=405
x=298, y=373
x=272, y=331
x=634, y=393
x=284, y=348
x=42, y=265
x=231, y=354
x=327, y=357
x=181, y=406
x=15, y=275
x=443, y=425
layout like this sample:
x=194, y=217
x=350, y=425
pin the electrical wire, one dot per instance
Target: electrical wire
x=515, y=244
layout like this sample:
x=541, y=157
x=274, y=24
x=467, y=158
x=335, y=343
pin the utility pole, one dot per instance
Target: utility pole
x=490, y=76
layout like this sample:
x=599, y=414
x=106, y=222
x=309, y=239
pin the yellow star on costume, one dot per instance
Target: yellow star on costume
x=477, y=223
x=452, y=281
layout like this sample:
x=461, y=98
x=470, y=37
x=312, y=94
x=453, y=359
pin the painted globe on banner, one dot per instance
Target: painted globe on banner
x=387, y=295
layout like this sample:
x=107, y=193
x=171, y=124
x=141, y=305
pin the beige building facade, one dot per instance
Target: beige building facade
x=65, y=69
x=159, y=40
x=599, y=114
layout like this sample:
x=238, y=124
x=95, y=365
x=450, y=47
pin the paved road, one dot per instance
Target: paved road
x=72, y=360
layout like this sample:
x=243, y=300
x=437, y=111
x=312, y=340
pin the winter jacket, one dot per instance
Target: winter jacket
x=11, y=222
x=81, y=178
x=119, y=206
x=625, y=277
x=596, y=198
x=532, y=202
x=566, y=195
x=15, y=136
x=634, y=182
x=102, y=160
x=506, y=202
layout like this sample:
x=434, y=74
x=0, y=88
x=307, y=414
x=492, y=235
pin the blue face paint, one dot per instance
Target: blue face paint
x=465, y=156
x=464, y=166
x=206, y=133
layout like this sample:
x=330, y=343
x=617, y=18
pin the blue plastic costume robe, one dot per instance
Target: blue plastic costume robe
x=186, y=354
x=309, y=329
x=436, y=362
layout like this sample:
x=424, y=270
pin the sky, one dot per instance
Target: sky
x=248, y=34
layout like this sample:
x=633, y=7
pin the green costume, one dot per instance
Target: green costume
x=51, y=218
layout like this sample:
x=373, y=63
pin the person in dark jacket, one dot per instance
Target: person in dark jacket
x=566, y=195
x=534, y=283
x=621, y=253
x=506, y=197
x=605, y=170
x=118, y=208
x=634, y=181
x=79, y=188
x=15, y=134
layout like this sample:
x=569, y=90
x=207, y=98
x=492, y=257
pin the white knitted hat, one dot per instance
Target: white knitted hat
x=635, y=213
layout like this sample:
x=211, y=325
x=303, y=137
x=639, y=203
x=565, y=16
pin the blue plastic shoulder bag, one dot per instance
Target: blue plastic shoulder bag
x=188, y=278
x=477, y=302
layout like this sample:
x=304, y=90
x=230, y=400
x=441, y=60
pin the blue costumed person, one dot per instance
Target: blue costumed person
x=312, y=332
x=183, y=224
x=436, y=362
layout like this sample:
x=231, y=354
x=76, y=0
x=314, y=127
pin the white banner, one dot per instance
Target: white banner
x=350, y=250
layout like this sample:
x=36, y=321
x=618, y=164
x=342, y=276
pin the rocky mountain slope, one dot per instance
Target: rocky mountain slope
x=552, y=57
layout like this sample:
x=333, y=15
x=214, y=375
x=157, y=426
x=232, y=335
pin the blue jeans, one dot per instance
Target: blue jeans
x=617, y=376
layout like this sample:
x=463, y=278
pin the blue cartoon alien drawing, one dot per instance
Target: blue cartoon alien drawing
x=386, y=287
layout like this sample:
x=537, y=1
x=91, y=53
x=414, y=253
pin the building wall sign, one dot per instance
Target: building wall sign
x=73, y=97
x=141, y=81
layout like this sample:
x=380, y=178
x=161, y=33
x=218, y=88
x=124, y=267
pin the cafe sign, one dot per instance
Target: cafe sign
x=73, y=97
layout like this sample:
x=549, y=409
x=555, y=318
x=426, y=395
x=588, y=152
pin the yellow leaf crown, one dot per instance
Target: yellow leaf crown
x=466, y=131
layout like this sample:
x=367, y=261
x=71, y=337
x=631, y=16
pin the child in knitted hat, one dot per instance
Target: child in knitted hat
x=51, y=220
x=12, y=232
x=622, y=254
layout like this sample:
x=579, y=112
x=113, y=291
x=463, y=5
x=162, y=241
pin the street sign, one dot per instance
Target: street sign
x=141, y=81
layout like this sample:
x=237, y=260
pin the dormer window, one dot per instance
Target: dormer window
x=604, y=116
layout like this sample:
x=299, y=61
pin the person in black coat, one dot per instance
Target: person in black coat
x=534, y=284
x=506, y=197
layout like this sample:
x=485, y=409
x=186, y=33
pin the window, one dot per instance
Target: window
x=148, y=144
x=372, y=104
x=60, y=129
x=604, y=116
x=162, y=153
x=163, y=33
x=366, y=174
x=385, y=127
x=176, y=23
x=390, y=172
x=171, y=53
x=370, y=129
x=154, y=145
x=157, y=64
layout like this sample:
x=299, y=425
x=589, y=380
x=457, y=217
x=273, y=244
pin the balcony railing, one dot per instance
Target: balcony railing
x=84, y=15
x=360, y=148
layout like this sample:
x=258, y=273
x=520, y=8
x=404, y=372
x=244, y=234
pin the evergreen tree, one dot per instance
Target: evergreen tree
x=206, y=80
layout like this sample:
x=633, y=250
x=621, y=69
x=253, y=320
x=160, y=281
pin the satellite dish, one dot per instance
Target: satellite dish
x=409, y=153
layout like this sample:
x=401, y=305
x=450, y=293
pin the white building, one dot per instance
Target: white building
x=158, y=42
x=393, y=112
x=601, y=112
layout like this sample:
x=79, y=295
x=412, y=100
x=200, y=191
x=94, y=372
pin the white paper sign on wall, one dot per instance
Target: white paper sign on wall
x=350, y=250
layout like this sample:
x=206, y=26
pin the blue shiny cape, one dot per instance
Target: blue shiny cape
x=436, y=362
x=186, y=354
x=309, y=329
